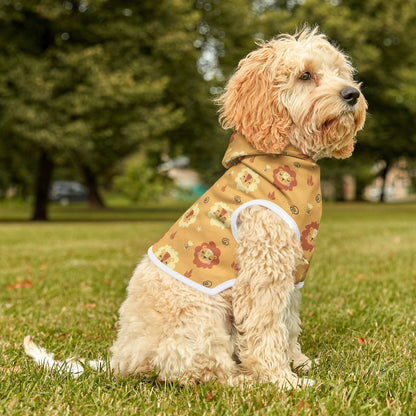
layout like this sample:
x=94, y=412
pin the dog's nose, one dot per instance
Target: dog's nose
x=350, y=95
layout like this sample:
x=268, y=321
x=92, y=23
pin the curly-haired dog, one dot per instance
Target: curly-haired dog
x=293, y=92
x=217, y=297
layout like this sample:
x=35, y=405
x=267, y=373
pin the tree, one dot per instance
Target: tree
x=90, y=83
x=223, y=35
x=79, y=84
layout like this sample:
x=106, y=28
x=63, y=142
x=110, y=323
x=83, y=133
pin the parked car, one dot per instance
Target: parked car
x=68, y=191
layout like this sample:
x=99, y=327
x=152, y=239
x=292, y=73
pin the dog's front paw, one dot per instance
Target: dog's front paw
x=295, y=382
x=306, y=382
x=303, y=364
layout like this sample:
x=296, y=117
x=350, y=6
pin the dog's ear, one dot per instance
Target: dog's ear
x=251, y=104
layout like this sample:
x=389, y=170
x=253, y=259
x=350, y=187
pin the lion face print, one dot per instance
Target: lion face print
x=309, y=234
x=284, y=178
x=247, y=180
x=220, y=214
x=168, y=256
x=189, y=217
x=207, y=255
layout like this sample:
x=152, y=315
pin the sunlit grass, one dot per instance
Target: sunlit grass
x=62, y=282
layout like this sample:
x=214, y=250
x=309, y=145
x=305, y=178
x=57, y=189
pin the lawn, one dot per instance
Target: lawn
x=62, y=282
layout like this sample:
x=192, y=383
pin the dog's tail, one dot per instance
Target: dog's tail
x=72, y=366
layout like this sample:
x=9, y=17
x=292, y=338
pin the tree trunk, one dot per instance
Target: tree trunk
x=383, y=186
x=90, y=178
x=42, y=185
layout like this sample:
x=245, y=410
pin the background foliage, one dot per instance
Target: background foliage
x=84, y=84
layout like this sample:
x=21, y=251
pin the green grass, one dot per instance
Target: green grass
x=118, y=210
x=62, y=282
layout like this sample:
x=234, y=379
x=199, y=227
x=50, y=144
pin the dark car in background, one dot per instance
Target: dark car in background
x=68, y=191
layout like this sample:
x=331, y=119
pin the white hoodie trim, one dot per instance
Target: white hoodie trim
x=221, y=287
x=267, y=204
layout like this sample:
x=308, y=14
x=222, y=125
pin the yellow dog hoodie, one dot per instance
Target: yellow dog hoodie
x=199, y=248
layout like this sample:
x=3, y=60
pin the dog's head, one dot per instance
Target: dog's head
x=295, y=90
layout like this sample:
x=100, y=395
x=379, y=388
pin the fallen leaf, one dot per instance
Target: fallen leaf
x=209, y=397
x=350, y=312
x=414, y=282
x=11, y=287
x=20, y=285
x=359, y=277
x=360, y=340
x=91, y=305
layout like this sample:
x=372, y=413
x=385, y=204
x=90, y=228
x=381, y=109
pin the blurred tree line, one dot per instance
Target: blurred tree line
x=90, y=87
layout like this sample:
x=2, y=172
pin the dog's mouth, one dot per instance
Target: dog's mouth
x=346, y=115
x=337, y=135
x=335, y=126
x=349, y=116
x=348, y=122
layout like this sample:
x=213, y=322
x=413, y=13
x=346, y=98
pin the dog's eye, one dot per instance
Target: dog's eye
x=306, y=76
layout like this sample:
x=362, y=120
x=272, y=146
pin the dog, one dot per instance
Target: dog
x=217, y=297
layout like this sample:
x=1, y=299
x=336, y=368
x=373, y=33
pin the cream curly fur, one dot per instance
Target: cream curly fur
x=248, y=333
